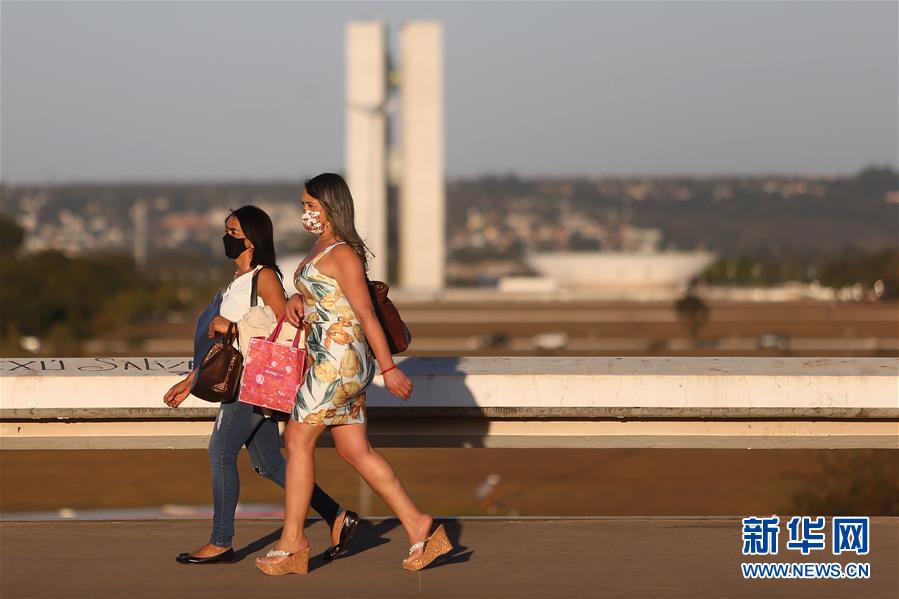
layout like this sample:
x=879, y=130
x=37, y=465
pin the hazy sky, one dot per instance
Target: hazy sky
x=250, y=90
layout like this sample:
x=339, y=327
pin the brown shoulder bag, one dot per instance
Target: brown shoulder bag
x=398, y=335
x=218, y=375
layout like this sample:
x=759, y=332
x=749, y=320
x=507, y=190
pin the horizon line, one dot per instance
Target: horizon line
x=279, y=180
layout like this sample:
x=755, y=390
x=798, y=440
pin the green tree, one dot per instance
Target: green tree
x=863, y=267
x=50, y=293
x=11, y=235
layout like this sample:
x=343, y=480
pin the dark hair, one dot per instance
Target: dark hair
x=334, y=195
x=257, y=227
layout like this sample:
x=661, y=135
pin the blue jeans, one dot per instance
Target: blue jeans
x=240, y=424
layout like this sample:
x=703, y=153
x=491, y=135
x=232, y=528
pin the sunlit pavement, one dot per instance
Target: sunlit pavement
x=592, y=557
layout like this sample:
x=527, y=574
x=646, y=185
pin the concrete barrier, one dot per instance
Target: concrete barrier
x=76, y=403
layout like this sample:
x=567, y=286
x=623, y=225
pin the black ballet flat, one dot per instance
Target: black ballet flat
x=226, y=557
x=350, y=522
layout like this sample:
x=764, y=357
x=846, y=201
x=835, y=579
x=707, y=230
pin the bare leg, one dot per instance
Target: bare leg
x=352, y=445
x=337, y=527
x=300, y=441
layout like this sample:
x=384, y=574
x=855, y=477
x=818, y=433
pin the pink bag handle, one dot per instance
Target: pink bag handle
x=296, y=338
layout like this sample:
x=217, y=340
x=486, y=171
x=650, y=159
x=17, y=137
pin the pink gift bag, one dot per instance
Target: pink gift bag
x=272, y=372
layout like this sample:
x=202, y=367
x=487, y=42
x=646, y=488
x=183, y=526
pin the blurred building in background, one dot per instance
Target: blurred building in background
x=366, y=135
x=613, y=275
x=416, y=167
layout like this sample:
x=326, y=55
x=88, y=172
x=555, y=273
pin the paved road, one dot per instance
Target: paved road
x=602, y=557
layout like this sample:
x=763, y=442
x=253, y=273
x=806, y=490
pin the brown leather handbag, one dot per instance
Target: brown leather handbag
x=398, y=335
x=218, y=375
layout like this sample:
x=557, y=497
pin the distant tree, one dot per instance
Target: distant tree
x=877, y=180
x=692, y=310
x=580, y=242
x=851, y=267
x=49, y=292
x=742, y=270
x=11, y=235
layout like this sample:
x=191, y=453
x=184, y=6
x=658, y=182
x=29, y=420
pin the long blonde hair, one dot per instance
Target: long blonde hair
x=333, y=194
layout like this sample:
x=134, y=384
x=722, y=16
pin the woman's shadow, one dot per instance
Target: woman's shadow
x=371, y=534
x=444, y=396
x=440, y=394
x=441, y=400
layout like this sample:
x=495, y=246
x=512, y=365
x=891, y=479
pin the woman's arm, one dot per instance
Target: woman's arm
x=218, y=326
x=271, y=291
x=179, y=391
x=351, y=278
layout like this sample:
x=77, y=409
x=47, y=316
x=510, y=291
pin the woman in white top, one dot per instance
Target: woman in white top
x=248, y=240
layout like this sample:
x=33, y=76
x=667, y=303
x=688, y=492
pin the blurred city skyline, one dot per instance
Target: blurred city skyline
x=248, y=91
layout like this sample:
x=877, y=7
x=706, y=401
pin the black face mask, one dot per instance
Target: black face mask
x=234, y=247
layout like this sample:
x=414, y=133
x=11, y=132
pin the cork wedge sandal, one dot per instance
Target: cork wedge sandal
x=431, y=548
x=296, y=563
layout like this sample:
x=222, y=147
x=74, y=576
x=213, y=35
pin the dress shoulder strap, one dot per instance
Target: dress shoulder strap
x=325, y=251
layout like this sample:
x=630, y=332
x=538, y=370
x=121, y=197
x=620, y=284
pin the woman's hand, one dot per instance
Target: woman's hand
x=294, y=309
x=398, y=383
x=219, y=325
x=179, y=391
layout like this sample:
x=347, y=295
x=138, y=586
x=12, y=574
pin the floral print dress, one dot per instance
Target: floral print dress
x=341, y=363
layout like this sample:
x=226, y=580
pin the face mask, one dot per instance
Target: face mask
x=311, y=222
x=234, y=247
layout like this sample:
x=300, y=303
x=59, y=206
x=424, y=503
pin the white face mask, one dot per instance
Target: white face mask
x=311, y=222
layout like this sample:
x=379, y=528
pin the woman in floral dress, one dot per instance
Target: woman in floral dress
x=344, y=342
x=342, y=363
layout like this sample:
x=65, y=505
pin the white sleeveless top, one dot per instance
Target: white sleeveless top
x=236, y=298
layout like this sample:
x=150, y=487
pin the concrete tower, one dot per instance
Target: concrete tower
x=366, y=136
x=417, y=168
x=422, y=204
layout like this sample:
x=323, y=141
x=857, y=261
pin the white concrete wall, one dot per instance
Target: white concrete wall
x=509, y=383
x=366, y=128
x=494, y=402
x=422, y=251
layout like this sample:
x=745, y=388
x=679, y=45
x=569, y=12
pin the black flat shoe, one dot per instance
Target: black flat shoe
x=350, y=522
x=225, y=557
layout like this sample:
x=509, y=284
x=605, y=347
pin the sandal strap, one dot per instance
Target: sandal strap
x=416, y=547
x=278, y=553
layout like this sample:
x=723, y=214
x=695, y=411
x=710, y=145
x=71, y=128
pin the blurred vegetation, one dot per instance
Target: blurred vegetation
x=836, y=230
x=11, y=236
x=733, y=216
x=847, y=267
x=63, y=300
x=839, y=231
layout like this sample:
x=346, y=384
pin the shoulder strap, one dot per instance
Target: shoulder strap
x=325, y=251
x=254, y=288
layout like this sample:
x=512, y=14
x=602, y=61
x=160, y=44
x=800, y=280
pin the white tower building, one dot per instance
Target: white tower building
x=366, y=136
x=421, y=234
x=422, y=245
